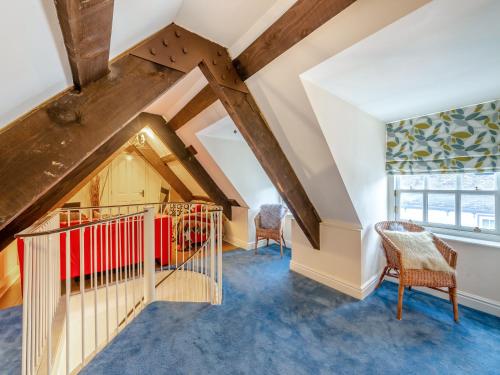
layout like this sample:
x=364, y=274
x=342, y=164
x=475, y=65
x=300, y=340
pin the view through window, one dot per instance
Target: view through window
x=468, y=202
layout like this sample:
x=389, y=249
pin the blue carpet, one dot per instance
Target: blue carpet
x=274, y=321
x=11, y=321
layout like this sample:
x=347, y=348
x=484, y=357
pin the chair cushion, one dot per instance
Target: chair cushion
x=418, y=251
x=271, y=215
x=397, y=227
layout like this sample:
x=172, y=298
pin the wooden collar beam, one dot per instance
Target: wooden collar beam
x=195, y=106
x=153, y=159
x=295, y=24
x=169, y=158
x=46, y=153
x=188, y=160
x=171, y=47
x=299, y=21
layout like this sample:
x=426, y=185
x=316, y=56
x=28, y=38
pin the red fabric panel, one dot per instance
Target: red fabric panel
x=105, y=237
x=163, y=238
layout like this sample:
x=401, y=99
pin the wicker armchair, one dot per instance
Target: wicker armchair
x=275, y=234
x=417, y=277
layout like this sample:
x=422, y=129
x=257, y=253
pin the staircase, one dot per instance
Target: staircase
x=87, y=272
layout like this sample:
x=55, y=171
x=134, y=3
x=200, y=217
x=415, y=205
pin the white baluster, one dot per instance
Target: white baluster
x=149, y=256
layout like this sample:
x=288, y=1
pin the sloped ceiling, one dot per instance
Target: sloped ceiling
x=222, y=21
x=232, y=154
x=35, y=65
x=444, y=55
x=34, y=62
x=278, y=90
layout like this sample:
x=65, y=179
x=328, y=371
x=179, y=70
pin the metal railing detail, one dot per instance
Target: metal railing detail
x=88, y=271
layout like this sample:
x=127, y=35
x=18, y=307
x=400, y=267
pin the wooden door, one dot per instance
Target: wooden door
x=128, y=179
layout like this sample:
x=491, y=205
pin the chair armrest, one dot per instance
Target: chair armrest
x=446, y=251
x=393, y=254
x=257, y=221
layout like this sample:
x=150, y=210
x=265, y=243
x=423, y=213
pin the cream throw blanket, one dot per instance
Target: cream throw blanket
x=418, y=251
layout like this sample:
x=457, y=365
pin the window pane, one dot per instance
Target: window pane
x=441, y=208
x=483, y=181
x=478, y=211
x=411, y=206
x=442, y=182
x=407, y=182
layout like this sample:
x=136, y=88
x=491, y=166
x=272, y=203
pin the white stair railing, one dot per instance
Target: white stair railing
x=120, y=259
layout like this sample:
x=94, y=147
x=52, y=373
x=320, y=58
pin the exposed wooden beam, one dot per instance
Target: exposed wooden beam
x=299, y=21
x=253, y=127
x=164, y=170
x=167, y=135
x=195, y=106
x=191, y=149
x=203, y=198
x=215, y=63
x=85, y=180
x=169, y=158
x=86, y=29
x=48, y=151
x=295, y=24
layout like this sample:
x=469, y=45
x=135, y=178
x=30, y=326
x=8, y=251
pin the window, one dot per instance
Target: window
x=467, y=202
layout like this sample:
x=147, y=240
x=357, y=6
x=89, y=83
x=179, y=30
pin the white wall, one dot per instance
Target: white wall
x=236, y=230
x=188, y=132
x=350, y=258
x=282, y=99
x=357, y=143
x=332, y=159
x=478, y=279
x=151, y=183
x=233, y=155
x=337, y=264
x=478, y=276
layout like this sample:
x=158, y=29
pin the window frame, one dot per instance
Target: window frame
x=456, y=229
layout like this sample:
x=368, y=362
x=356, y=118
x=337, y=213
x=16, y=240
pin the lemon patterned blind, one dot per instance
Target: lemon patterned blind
x=457, y=141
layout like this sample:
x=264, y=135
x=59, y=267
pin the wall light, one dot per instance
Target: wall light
x=149, y=133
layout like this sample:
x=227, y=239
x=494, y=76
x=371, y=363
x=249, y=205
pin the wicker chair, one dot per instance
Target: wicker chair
x=275, y=234
x=417, y=277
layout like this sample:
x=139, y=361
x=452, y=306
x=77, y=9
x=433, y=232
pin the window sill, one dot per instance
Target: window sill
x=468, y=240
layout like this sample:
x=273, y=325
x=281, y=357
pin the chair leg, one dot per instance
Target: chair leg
x=256, y=244
x=401, y=292
x=281, y=248
x=386, y=268
x=283, y=238
x=267, y=244
x=454, y=302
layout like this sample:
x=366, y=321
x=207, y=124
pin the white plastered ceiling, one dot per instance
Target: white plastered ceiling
x=34, y=64
x=444, y=55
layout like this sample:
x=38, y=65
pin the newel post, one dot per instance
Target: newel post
x=149, y=255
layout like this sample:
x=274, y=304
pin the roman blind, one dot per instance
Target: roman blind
x=457, y=141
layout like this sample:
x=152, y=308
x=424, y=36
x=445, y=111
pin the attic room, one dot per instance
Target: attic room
x=274, y=186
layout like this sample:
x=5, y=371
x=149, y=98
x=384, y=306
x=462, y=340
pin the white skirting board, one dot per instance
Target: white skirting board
x=356, y=291
x=250, y=245
x=464, y=298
